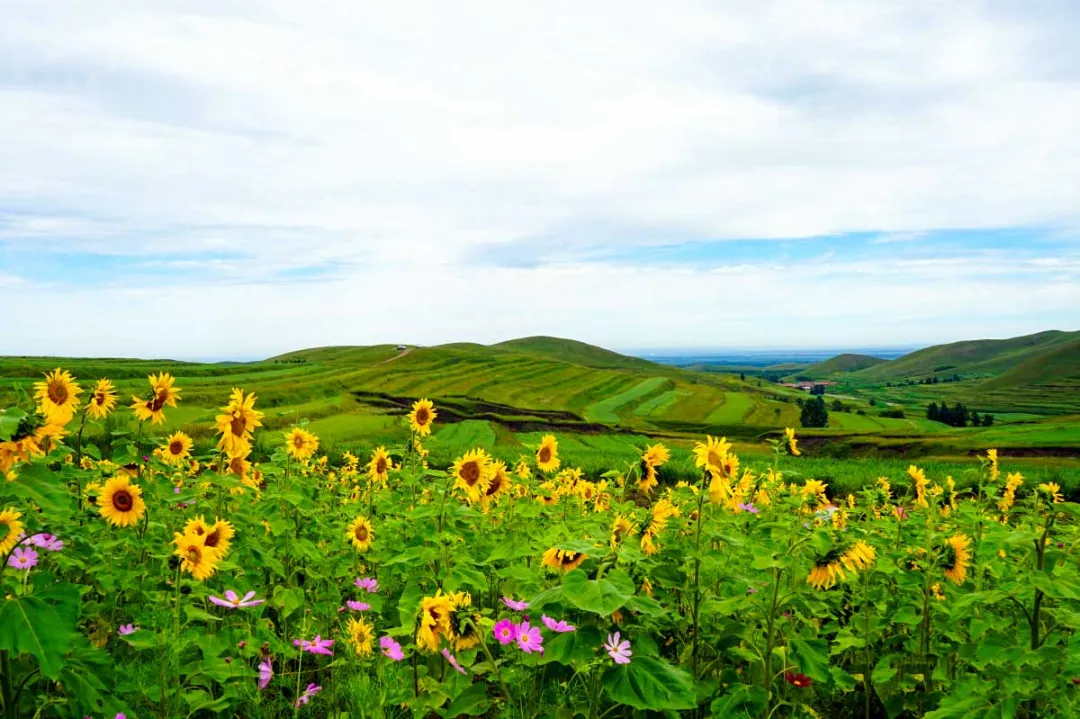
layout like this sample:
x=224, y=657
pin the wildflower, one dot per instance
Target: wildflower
x=121, y=502
x=45, y=541
x=102, y=400
x=163, y=394
x=358, y=606
x=792, y=443
x=379, y=466
x=472, y=474
x=619, y=651
x=318, y=645
x=422, y=415
x=935, y=591
x=312, y=690
x=435, y=613
x=500, y=483
x=992, y=456
x=712, y=454
x=829, y=569
x=361, y=636
x=453, y=661
x=748, y=507
x=505, y=631
x=219, y=537
x=1012, y=483
x=563, y=559
x=196, y=558
x=799, y=681
x=816, y=489
x=559, y=627
x=955, y=558
x=900, y=513
x=653, y=457
x=237, y=423
x=547, y=454
x=515, y=604
x=177, y=449
x=232, y=600
x=1052, y=491
x=621, y=528
x=23, y=558
x=662, y=511
x=918, y=476
x=367, y=583
x=266, y=673
x=523, y=471
x=57, y=396
x=300, y=444
x=391, y=649
x=361, y=533
x=126, y=629
x=529, y=638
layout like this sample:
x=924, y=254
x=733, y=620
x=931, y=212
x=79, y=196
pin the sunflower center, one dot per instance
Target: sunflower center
x=237, y=465
x=544, y=454
x=470, y=472
x=238, y=426
x=298, y=442
x=176, y=447
x=123, y=501
x=158, y=402
x=380, y=466
x=212, y=539
x=361, y=533
x=714, y=459
x=58, y=393
x=422, y=416
x=99, y=398
x=193, y=554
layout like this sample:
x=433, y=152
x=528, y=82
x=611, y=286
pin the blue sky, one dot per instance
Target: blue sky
x=237, y=179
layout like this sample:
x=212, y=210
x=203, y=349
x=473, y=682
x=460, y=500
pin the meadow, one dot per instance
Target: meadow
x=494, y=554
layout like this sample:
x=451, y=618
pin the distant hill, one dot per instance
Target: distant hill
x=575, y=352
x=840, y=363
x=1056, y=367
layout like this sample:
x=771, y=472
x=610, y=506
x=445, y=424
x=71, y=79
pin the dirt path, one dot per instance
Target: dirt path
x=401, y=354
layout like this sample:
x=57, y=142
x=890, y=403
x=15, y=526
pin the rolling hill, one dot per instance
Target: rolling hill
x=841, y=363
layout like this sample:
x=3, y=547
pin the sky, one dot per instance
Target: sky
x=240, y=178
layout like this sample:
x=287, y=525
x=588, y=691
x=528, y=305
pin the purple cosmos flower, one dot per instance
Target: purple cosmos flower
x=748, y=507
x=23, y=558
x=505, y=631
x=358, y=606
x=176, y=490
x=515, y=605
x=45, y=541
x=619, y=651
x=368, y=583
x=529, y=638
x=391, y=649
x=232, y=600
x=318, y=645
x=121, y=715
x=453, y=661
x=266, y=673
x=312, y=690
x=751, y=590
x=557, y=626
x=126, y=629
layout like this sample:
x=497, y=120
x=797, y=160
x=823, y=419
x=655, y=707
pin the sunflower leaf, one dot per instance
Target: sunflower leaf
x=650, y=684
x=41, y=624
x=599, y=596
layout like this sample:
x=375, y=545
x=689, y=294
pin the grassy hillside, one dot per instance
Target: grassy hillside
x=575, y=352
x=841, y=363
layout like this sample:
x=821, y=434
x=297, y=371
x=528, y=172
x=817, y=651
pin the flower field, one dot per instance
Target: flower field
x=167, y=580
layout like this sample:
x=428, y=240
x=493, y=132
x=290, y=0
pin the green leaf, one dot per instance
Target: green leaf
x=741, y=700
x=463, y=575
x=408, y=605
x=9, y=422
x=580, y=645
x=288, y=600
x=650, y=684
x=811, y=656
x=471, y=702
x=41, y=624
x=599, y=596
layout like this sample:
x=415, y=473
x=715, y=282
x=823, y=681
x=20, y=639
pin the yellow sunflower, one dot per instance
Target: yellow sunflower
x=197, y=527
x=1052, y=490
x=463, y=624
x=422, y=415
x=361, y=636
x=648, y=477
x=547, y=454
x=237, y=423
x=57, y=396
x=500, y=483
x=435, y=613
x=196, y=558
x=162, y=394
x=826, y=571
x=621, y=528
x=956, y=558
x=239, y=465
x=712, y=454
x=11, y=527
x=859, y=556
x=562, y=559
x=121, y=502
x=177, y=449
x=301, y=444
x=379, y=466
x=219, y=537
x=102, y=400
x=361, y=533
x=472, y=474
x=792, y=443
x=523, y=471
x=655, y=455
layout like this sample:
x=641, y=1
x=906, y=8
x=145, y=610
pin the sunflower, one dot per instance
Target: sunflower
x=12, y=528
x=992, y=457
x=522, y=470
x=196, y=558
x=18, y=450
x=956, y=558
x=564, y=559
x=239, y=465
x=361, y=636
x=500, y=482
x=379, y=466
x=462, y=624
x=1052, y=490
x=102, y=399
x=621, y=528
x=815, y=488
x=827, y=570
x=472, y=474
x=219, y=537
x=300, y=444
x=163, y=395
x=435, y=613
x=360, y=533
x=238, y=422
x=792, y=443
x=121, y=502
x=648, y=477
x=859, y=556
x=655, y=455
x=177, y=449
x=422, y=415
x=57, y=396
x=197, y=527
x=711, y=454
x=547, y=454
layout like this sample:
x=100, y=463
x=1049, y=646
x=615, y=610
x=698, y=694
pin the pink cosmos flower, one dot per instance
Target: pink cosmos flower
x=126, y=629
x=619, y=651
x=557, y=626
x=453, y=661
x=529, y=638
x=391, y=648
x=358, y=606
x=266, y=673
x=748, y=507
x=368, y=583
x=312, y=690
x=505, y=631
x=23, y=558
x=318, y=645
x=515, y=605
x=46, y=541
x=901, y=514
x=232, y=600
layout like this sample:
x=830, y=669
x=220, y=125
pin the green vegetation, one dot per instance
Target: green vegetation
x=840, y=363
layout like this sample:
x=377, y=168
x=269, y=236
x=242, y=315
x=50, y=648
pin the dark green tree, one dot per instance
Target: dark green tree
x=814, y=413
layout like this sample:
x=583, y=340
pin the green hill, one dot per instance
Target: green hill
x=840, y=363
x=576, y=352
x=1057, y=368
